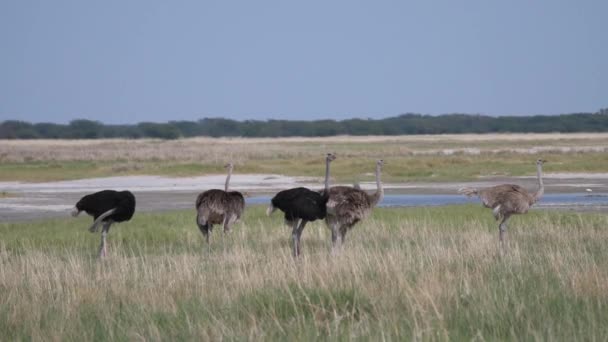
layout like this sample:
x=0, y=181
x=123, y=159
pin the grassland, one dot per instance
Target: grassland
x=421, y=273
x=410, y=158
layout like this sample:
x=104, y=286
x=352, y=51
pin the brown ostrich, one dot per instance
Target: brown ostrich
x=217, y=206
x=508, y=199
x=347, y=206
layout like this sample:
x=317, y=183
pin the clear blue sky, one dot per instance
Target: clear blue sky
x=128, y=61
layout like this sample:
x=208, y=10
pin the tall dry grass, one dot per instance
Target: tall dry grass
x=426, y=273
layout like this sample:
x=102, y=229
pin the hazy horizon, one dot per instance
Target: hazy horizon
x=287, y=119
x=128, y=62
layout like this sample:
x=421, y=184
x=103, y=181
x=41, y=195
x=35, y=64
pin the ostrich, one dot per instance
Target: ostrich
x=508, y=199
x=217, y=206
x=346, y=206
x=302, y=205
x=107, y=206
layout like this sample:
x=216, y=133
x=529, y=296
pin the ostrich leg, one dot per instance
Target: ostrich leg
x=343, y=231
x=203, y=226
x=226, y=224
x=336, y=237
x=228, y=221
x=104, y=232
x=206, y=234
x=502, y=229
x=297, y=235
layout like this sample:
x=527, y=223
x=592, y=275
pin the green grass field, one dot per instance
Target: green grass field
x=403, y=274
x=348, y=169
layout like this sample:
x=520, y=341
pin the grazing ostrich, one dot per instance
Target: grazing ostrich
x=508, y=199
x=302, y=205
x=217, y=206
x=347, y=206
x=107, y=206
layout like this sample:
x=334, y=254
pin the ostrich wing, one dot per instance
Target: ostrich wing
x=338, y=195
x=513, y=202
x=215, y=204
x=490, y=197
x=125, y=208
x=212, y=201
x=236, y=203
x=351, y=206
x=289, y=195
x=303, y=203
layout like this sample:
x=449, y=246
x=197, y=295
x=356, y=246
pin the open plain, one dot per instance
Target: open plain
x=425, y=273
x=409, y=158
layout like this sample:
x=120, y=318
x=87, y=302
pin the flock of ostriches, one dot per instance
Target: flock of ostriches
x=341, y=206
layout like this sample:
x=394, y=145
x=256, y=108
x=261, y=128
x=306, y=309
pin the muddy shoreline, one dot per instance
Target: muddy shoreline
x=30, y=201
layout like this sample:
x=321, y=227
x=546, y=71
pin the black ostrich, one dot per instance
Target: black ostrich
x=107, y=206
x=302, y=205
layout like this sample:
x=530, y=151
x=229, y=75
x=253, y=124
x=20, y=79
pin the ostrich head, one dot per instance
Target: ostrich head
x=77, y=209
x=380, y=163
x=75, y=212
x=540, y=162
x=229, y=166
x=330, y=157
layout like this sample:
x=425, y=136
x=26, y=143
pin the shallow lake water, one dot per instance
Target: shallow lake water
x=548, y=200
x=29, y=206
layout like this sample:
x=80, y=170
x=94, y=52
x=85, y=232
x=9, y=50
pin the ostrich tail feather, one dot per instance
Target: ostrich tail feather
x=467, y=191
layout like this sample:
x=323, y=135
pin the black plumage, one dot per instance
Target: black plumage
x=107, y=207
x=100, y=202
x=301, y=205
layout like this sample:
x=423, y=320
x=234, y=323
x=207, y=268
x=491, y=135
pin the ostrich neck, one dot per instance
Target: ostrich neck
x=228, y=179
x=326, y=175
x=541, y=188
x=379, y=195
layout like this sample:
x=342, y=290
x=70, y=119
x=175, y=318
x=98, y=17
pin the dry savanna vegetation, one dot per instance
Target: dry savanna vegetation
x=404, y=274
x=409, y=158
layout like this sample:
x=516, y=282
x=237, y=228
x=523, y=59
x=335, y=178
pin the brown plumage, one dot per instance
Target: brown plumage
x=508, y=199
x=217, y=206
x=347, y=206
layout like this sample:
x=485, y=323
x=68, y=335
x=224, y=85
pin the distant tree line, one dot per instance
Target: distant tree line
x=402, y=124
